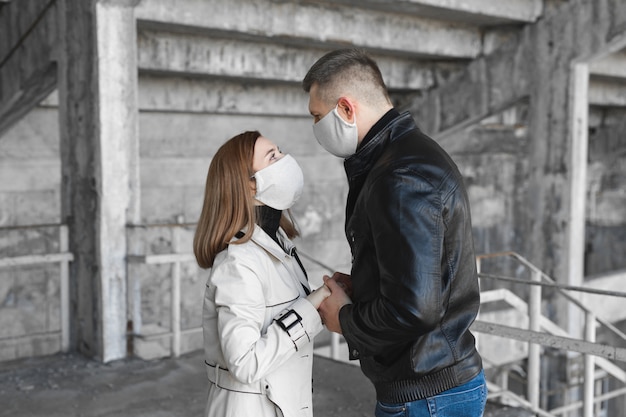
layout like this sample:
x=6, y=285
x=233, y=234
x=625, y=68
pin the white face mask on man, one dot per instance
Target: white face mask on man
x=336, y=135
x=280, y=184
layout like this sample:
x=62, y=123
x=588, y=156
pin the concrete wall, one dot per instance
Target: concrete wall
x=536, y=67
x=30, y=176
x=516, y=177
x=30, y=311
x=30, y=170
x=175, y=151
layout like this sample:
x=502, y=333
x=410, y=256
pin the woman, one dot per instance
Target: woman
x=260, y=316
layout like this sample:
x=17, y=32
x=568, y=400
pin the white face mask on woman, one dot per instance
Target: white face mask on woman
x=336, y=135
x=279, y=185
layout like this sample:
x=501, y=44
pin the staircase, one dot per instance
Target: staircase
x=517, y=340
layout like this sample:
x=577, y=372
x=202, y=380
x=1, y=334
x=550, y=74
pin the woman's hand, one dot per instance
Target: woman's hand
x=329, y=309
x=316, y=297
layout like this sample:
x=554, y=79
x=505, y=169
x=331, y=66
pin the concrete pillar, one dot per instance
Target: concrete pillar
x=579, y=88
x=99, y=137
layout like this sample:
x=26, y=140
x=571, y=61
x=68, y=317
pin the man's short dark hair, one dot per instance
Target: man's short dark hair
x=344, y=66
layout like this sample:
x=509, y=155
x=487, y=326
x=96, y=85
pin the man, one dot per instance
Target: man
x=406, y=308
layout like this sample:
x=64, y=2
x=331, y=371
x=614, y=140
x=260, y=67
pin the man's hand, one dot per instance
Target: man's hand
x=344, y=281
x=329, y=309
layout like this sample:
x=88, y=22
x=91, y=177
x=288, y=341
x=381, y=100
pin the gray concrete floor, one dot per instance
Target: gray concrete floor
x=70, y=385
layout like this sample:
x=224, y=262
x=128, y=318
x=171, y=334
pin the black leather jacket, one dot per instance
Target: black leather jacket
x=415, y=288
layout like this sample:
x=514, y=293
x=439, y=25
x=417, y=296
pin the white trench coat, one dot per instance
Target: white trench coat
x=255, y=368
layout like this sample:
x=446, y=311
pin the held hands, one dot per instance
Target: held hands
x=344, y=281
x=329, y=309
x=316, y=297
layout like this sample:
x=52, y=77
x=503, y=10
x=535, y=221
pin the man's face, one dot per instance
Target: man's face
x=317, y=107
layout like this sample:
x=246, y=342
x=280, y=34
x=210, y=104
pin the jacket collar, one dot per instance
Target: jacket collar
x=365, y=157
x=269, y=245
x=361, y=163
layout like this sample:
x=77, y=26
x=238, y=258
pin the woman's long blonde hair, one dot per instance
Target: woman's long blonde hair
x=228, y=200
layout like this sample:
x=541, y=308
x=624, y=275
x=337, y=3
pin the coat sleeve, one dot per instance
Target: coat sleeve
x=251, y=353
x=405, y=217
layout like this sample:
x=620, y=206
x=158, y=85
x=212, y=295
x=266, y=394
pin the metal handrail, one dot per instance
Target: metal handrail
x=176, y=259
x=553, y=284
x=588, y=347
x=175, y=332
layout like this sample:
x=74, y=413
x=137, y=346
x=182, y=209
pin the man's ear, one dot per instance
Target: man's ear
x=345, y=108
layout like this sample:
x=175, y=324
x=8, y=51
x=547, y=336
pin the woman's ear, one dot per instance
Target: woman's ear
x=252, y=186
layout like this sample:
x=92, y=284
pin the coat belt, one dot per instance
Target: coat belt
x=222, y=378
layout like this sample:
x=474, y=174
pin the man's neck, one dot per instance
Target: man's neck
x=379, y=125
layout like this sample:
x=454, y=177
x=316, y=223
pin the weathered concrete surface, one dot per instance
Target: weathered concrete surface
x=536, y=67
x=30, y=171
x=69, y=385
x=300, y=24
x=28, y=72
x=99, y=148
x=199, y=86
x=485, y=12
x=259, y=59
x=72, y=386
x=30, y=317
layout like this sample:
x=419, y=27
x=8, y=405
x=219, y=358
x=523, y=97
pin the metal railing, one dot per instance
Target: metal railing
x=175, y=259
x=63, y=258
x=175, y=332
x=595, y=354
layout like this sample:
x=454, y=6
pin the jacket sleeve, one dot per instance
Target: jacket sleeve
x=251, y=353
x=404, y=212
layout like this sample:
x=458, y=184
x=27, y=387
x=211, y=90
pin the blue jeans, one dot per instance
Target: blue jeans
x=467, y=400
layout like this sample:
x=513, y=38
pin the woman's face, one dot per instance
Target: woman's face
x=265, y=153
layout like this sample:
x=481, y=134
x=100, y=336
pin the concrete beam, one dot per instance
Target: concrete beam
x=607, y=92
x=159, y=93
x=263, y=61
x=327, y=26
x=480, y=12
x=611, y=66
x=171, y=94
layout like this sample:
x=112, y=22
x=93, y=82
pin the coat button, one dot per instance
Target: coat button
x=355, y=353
